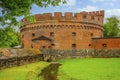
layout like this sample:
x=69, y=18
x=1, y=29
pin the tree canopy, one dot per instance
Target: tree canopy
x=112, y=27
x=12, y=9
x=15, y=8
x=9, y=37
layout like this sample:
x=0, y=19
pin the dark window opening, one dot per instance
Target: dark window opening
x=22, y=36
x=33, y=34
x=73, y=33
x=31, y=46
x=52, y=34
x=91, y=34
x=98, y=19
x=89, y=45
x=104, y=45
x=43, y=47
x=73, y=46
x=92, y=18
x=52, y=44
x=84, y=16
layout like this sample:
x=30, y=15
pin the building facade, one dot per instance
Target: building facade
x=63, y=31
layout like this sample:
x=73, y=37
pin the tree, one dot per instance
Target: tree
x=112, y=27
x=9, y=37
x=16, y=8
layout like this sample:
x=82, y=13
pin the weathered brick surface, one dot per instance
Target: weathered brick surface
x=106, y=43
x=84, y=24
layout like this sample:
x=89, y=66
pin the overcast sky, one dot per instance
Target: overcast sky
x=111, y=7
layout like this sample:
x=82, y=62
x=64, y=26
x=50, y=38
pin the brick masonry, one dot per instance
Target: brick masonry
x=68, y=31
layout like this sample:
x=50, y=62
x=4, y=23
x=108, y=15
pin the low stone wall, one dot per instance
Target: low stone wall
x=59, y=54
x=52, y=55
x=17, y=61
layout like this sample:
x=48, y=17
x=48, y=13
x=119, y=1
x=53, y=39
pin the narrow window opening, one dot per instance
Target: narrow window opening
x=22, y=36
x=73, y=33
x=52, y=44
x=84, y=16
x=98, y=19
x=52, y=34
x=31, y=46
x=43, y=47
x=73, y=46
x=91, y=34
x=89, y=45
x=104, y=45
x=33, y=34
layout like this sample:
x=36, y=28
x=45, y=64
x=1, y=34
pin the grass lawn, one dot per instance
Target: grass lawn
x=25, y=72
x=90, y=69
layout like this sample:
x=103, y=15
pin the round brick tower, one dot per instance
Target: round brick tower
x=68, y=31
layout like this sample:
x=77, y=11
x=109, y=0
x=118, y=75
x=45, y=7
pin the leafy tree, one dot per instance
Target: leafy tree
x=112, y=27
x=10, y=10
x=16, y=8
x=9, y=37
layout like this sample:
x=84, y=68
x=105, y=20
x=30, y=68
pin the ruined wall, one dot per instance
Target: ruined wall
x=70, y=30
x=106, y=43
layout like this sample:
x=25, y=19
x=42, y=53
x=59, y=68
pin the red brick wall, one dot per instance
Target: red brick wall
x=63, y=26
x=106, y=43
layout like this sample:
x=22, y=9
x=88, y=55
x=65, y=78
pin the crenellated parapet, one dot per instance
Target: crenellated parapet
x=62, y=31
x=95, y=17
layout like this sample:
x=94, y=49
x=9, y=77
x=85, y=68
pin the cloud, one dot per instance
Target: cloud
x=103, y=1
x=88, y=8
x=112, y=12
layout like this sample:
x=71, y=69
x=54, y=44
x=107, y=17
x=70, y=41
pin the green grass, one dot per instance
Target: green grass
x=90, y=69
x=25, y=72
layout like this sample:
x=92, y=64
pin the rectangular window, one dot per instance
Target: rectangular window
x=31, y=46
x=33, y=34
x=84, y=16
x=104, y=45
x=52, y=44
x=73, y=33
x=73, y=46
x=43, y=47
x=89, y=44
x=91, y=34
x=52, y=34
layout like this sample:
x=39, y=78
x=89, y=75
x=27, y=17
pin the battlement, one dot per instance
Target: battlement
x=95, y=16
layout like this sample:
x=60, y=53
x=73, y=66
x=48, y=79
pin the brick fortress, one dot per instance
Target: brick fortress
x=82, y=30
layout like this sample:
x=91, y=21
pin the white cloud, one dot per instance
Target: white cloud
x=112, y=12
x=88, y=8
x=103, y=1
